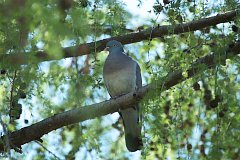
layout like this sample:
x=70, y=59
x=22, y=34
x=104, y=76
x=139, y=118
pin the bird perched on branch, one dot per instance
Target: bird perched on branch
x=122, y=75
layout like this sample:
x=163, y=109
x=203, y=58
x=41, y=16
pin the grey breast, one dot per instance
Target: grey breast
x=119, y=74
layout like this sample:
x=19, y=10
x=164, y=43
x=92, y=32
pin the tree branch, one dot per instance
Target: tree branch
x=79, y=114
x=88, y=48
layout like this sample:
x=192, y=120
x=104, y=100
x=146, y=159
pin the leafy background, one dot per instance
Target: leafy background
x=196, y=119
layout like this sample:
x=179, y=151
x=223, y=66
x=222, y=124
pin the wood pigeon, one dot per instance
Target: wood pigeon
x=122, y=75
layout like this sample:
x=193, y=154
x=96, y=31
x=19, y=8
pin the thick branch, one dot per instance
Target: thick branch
x=35, y=131
x=83, y=49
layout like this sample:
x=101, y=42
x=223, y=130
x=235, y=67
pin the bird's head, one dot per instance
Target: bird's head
x=114, y=45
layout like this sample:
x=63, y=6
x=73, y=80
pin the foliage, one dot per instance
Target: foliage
x=196, y=119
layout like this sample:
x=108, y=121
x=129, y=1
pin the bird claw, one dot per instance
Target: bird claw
x=39, y=140
x=16, y=148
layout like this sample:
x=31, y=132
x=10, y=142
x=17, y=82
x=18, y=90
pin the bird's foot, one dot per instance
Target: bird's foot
x=115, y=97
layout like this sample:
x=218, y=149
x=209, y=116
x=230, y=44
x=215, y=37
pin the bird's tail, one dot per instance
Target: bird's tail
x=132, y=128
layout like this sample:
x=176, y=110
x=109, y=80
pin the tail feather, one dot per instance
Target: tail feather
x=132, y=129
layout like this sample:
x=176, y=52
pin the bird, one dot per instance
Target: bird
x=121, y=75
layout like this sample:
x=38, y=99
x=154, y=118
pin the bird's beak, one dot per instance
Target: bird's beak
x=106, y=49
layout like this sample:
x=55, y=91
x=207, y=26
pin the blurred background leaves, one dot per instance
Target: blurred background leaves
x=196, y=119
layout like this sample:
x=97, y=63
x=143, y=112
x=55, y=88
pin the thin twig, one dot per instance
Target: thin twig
x=5, y=132
x=12, y=89
x=150, y=39
x=54, y=155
